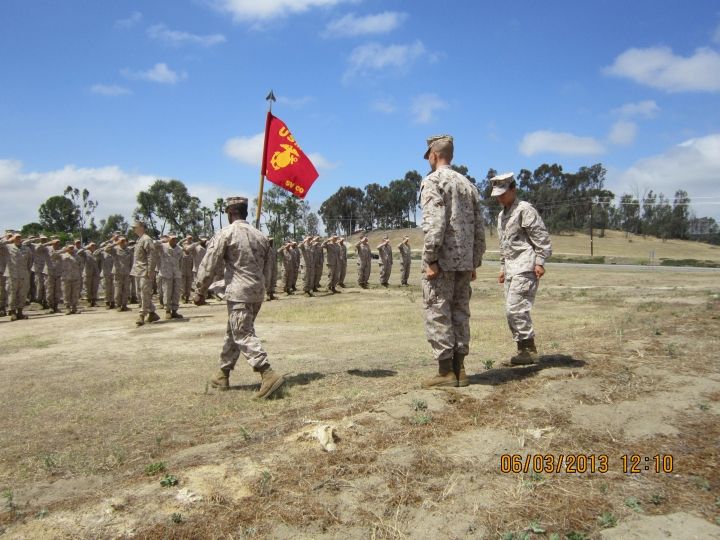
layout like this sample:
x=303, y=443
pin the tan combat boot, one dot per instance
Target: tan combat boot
x=20, y=315
x=527, y=353
x=445, y=377
x=221, y=380
x=152, y=317
x=270, y=383
x=168, y=315
x=140, y=320
x=459, y=369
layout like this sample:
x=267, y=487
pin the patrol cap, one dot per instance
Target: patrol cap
x=437, y=141
x=92, y=244
x=138, y=223
x=234, y=201
x=43, y=237
x=501, y=183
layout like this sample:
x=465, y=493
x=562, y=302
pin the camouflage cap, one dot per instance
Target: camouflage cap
x=234, y=201
x=137, y=223
x=501, y=183
x=435, y=140
x=43, y=237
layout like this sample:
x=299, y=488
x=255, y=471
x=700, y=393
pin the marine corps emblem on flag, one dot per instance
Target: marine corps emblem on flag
x=285, y=163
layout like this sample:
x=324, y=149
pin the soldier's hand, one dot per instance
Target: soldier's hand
x=539, y=271
x=501, y=278
x=199, y=299
x=432, y=271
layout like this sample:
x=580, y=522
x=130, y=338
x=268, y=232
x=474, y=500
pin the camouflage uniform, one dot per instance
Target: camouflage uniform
x=122, y=266
x=308, y=266
x=296, y=257
x=18, y=261
x=244, y=252
x=92, y=274
x=524, y=243
x=332, y=263
x=272, y=282
x=319, y=259
x=455, y=240
x=186, y=270
x=145, y=261
x=288, y=262
x=70, y=266
x=364, y=261
x=405, y=261
x=386, y=262
x=169, y=265
x=343, y=263
x=106, y=267
x=38, y=267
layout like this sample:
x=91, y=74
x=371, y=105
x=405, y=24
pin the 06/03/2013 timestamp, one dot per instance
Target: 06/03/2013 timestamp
x=585, y=463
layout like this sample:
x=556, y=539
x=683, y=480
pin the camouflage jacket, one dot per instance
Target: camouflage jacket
x=243, y=250
x=168, y=260
x=146, y=256
x=70, y=265
x=364, y=256
x=122, y=260
x=385, y=252
x=91, y=264
x=452, y=221
x=308, y=255
x=18, y=260
x=524, y=240
x=404, y=252
x=186, y=264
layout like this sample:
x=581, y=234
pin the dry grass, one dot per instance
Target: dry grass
x=86, y=413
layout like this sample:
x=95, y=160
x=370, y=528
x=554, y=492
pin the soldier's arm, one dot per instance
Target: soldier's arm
x=479, y=235
x=214, y=254
x=538, y=235
x=433, y=223
x=268, y=268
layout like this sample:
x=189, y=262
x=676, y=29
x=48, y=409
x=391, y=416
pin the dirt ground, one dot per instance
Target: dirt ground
x=111, y=431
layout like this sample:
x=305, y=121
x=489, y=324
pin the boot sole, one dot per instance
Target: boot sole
x=220, y=387
x=273, y=388
x=442, y=385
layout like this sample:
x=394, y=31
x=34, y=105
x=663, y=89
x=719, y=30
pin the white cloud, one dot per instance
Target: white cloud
x=113, y=188
x=659, y=67
x=264, y=10
x=248, y=150
x=159, y=73
x=134, y=19
x=623, y=133
x=161, y=32
x=693, y=165
x=552, y=142
x=373, y=57
x=386, y=106
x=640, y=109
x=111, y=90
x=295, y=103
x=424, y=106
x=350, y=25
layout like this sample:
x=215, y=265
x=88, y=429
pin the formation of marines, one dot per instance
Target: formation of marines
x=240, y=264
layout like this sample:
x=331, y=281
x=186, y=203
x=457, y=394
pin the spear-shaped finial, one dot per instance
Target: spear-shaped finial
x=270, y=98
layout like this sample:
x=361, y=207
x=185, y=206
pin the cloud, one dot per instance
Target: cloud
x=659, y=67
x=374, y=57
x=111, y=90
x=159, y=73
x=640, y=109
x=350, y=25
x=716, y=34
x=623, y=133
x=134, y=19
x=264, y=10
x=248, y=150
x=386, y=106
x=295, y=103
x=693, y=165
x=552, y=142
x=424, y=106
x=160, y=32
x=114, y=189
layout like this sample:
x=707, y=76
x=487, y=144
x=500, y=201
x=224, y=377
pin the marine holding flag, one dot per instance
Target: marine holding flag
x=285, y=164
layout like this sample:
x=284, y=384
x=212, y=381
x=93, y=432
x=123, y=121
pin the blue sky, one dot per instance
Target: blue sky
x=111, y=95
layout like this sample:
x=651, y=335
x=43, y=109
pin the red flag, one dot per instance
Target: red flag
x=285, y=164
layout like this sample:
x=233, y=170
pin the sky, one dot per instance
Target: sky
x=110, y=96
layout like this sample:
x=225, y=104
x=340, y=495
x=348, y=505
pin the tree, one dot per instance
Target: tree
x=59, y=214
x=629, y=213
x=343, y=211
x=311, y=224
x=31, y=229
x=415, y=178
x=114, y=222
x=680, y=221
x=220, y=208
x=167, y=203
x=83, y=204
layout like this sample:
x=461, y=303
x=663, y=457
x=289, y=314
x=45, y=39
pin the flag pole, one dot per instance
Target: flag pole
x=270, y=98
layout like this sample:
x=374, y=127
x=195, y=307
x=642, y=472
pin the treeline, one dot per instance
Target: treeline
x=567, y=201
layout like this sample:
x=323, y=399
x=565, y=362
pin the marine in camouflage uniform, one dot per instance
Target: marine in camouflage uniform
x=287, y=262
x=453, y=248
x=186, y=270
x=343, y=262
x=333, y=262
x=307, y=251
x=169, y=255
x=38, y=268
x=296, y=259
x=3, y=279
x=91, y=265
x=272, y=282
x=51, y=273
x=144, y=266
x=71, y=270
x=386, y=261
x=106, y=268
x=122, y=266
x=524, y=247
x=319, y=258
x=364, y=262
x=18, y=261
x=243, y=251
x=404, y=248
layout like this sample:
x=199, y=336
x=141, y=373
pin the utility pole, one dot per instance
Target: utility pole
x=592, y=206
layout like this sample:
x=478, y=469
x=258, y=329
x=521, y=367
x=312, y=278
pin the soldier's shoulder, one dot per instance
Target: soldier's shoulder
x=525, y=206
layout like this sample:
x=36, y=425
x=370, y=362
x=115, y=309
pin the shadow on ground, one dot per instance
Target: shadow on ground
x=372, y=373
x=502, y=375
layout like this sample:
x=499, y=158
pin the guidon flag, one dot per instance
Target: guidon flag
x=285, y=164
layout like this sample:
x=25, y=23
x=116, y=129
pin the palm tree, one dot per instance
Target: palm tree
x=220, y=208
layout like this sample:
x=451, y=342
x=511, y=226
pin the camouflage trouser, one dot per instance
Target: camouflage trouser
x=40, y=295
x=92, y=284
x=187, y=282
x=17, y=292
x=332, y=276
x=3, y=293
x=318, y=275
x=71, y=292
x=447, y=313
x=240, y=336
x=53, y=290
x=134, y=281
x=295, y=274
x=32, y=293
x=342, y=272
x=122, y=289
x=109, y=286
x=171, y=289
x=160, y=290
x=145, y=287
x=363, y=272
x=404, y=271
x=385, y=270
x=520, y=291
x=308, y=278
